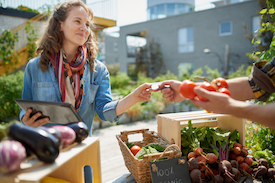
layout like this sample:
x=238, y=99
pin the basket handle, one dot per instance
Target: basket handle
x=164, y=154
x=126, y=133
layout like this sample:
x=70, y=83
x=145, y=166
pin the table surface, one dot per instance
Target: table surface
x=34, y=170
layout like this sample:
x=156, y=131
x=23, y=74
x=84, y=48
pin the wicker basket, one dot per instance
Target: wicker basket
x=139, y=168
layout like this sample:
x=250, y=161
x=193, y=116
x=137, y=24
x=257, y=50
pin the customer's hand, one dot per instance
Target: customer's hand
x=217, y=102
x=171, y=93
x=32, y=121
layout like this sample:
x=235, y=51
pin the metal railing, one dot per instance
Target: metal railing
x=102, y=8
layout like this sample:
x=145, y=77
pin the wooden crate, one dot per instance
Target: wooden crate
x=68, y=165
x=169, y=125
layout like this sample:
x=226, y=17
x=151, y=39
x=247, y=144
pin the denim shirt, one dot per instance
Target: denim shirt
x=43, y=86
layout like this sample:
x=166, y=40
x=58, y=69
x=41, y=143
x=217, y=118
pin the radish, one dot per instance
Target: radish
x=196, y=176
x=12, y=154
x=237, y=150
x=237, y=145
x=201, y=159
x=198, y=151
x=243, y=167
x=248, y=160
x=211, y=158
x=68, y=134
x=244, y=152
x=232, y=156
x=191, y=155
x=240, y=159
x=193, y=163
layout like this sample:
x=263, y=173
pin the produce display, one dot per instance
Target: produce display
x=139, y=152
x=186, y=88
x=215, y=155
x=23, y=142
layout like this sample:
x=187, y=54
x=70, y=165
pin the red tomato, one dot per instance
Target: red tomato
x=187, y=89
x=208, y=87
x=224, y=90
x=219, y=83
x=134, y=149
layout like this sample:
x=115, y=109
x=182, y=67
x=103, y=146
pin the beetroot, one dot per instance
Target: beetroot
x=218, y=179
x=271, y=173
x=234, y=164
x=193, y=163
x=263, y=162
x=236, y=173
x=12, y=154
x=195, y=176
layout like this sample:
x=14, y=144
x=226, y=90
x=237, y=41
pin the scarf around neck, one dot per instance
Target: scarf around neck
x=70, y=75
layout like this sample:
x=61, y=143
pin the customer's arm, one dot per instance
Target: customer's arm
x=222, y=103
x=240, y=89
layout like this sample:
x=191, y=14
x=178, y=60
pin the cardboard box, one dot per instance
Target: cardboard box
x=169, y=125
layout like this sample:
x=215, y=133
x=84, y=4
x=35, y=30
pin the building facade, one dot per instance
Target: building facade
x=186, y=38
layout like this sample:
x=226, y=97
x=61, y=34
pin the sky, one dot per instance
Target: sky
x=134, y=11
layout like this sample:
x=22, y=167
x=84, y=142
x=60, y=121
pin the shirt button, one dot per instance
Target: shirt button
x=83, y=93
x=84, y=79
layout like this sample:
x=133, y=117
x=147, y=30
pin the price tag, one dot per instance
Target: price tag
x=170, y=171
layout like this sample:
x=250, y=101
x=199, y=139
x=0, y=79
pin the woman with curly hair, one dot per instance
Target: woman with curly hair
x=67, y=70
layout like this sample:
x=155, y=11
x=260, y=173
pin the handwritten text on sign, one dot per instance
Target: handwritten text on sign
x=170, y=171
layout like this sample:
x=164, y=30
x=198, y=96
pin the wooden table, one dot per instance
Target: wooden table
x=68, y=166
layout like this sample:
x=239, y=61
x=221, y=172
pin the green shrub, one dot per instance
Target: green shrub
x=120, y=80
x=11, y=88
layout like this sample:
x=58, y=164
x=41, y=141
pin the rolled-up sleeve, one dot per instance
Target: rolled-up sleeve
x=262, y=79
x=105, y=107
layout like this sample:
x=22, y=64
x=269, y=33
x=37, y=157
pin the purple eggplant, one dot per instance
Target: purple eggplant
x=43, y=144
x=68, y=135
x=81, y=130
x=55, y=133
x=12, y=154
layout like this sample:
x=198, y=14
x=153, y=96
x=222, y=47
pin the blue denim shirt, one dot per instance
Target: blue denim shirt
x=43, y=86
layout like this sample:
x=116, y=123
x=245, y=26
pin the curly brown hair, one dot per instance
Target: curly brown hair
x=51, y=41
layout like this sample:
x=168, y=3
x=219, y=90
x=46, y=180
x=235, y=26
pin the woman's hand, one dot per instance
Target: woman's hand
x=171, y=93
x=142, y=93
x=31, y=121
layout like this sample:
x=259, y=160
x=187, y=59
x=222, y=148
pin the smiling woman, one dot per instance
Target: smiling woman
x=67, y=70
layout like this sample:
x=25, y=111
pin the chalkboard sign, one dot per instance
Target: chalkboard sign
x=170, y=171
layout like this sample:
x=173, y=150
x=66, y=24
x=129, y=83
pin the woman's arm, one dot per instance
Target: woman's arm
x=141, y=94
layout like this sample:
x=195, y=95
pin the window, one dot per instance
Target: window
x=133, y=42
x=152, y=13
x=186, y=40
x=171, y=9
x=225, y=28
x=256, y=24
x=115, y=47
x=183, y=8
x=161, y=11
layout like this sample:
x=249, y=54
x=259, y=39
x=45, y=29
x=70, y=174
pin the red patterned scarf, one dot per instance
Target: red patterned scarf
x=70, y=76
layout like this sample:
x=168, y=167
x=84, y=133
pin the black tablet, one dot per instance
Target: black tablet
x=58, y=112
